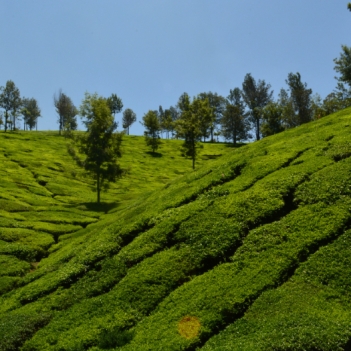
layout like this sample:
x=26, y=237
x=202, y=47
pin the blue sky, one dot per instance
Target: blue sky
x=149, y=52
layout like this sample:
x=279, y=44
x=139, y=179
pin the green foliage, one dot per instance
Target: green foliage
x=10, y=101
x=115, y=104
x=217, y=103
x=129, y=117
x=272, y=119
x=300, y=98
x=195, y=120
x=234, y=124
x=30, y=111
x=152, y=132
x=101, y=144
x=256, y=96
x=343, y=65
x=254, y=246
x=66, y=111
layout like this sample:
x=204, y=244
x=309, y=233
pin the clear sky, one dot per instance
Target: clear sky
x=149, y=52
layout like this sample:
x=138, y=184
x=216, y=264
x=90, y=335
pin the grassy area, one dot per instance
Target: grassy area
x=251, y=251
x=46, y=194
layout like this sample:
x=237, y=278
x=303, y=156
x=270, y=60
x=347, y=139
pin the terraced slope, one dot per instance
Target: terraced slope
x=251, y=252
x=46, y=197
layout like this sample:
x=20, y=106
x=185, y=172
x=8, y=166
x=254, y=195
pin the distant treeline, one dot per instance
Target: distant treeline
x=247, y=112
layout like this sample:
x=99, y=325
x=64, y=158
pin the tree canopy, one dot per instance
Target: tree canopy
x=115, y=104
x=129, y=117
x=66, y=111
x=256, y=96
x=30, y=111
x=100, y=144
x=343, y=65
x=10, y=101
x=153, y=128
x=190, y=124
x=300, y=98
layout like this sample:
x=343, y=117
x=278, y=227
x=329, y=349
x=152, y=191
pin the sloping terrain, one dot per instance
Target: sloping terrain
x=46, y=196
x=249, y=252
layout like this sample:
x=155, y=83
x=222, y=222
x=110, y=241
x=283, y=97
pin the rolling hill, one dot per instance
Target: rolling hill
x=251, y=251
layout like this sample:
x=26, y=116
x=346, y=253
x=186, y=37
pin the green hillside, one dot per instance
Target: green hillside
x=251, y=251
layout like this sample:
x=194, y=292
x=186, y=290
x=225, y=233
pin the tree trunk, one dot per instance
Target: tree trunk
x=257, y=128
x=6, y=120
x=61, y=124
x=98, y=186
x=193, y=153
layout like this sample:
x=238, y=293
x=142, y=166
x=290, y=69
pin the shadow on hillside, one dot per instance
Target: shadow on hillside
x=232, y=146
x=154, y=154
x=348, y=346
x=101, y=207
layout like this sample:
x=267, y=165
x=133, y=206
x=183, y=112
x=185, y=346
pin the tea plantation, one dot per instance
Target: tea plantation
x=251, y=251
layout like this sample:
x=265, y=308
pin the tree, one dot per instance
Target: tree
x=10, y=101
x=189, y=124
x=234, y=124
x=100, y=144
x=337, y=100
x=218, y=104
x=256, y=96
x=300, y=97
x=129, y=117
x=349, y=6
x=175, y=116
x=66, y=111
x=115, y=104
x=30, y=111
x=153, y=128
x=160, y=115
x=343, y=65
x=288, y=113
x=317, y=107
x=272, y=115
x=167, y=121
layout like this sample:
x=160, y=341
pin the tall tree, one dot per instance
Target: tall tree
x=218, y=104
x=167, y=122
x=153, y=128
x=66, y=112
x=343, y=65
x=30, y=111
x=349, y=6
x=234, y=124
x=129, y=117
x=174, y=112
x=10, y=101
x=287, y=108
x=189, y=124
x=300, y=97
x=272, y=115
x=160, y=114
x=115, y=104
x=317, y=107
x=100, y=144
x=256, y=96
